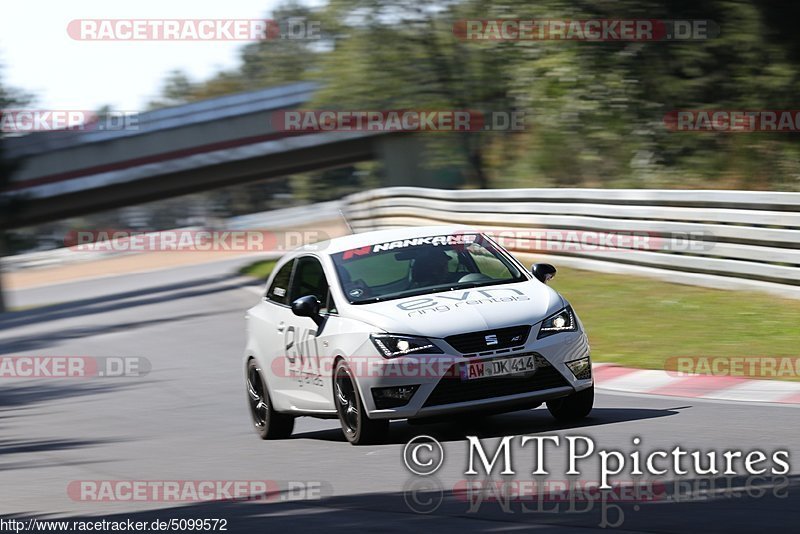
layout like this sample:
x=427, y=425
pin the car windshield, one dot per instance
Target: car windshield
x=417, y=266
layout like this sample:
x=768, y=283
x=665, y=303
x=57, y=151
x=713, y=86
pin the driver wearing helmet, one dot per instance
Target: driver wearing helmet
x=430, y=268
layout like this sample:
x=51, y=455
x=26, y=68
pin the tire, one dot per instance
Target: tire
x=357, y=427
x=572, y=407
x=268, y=423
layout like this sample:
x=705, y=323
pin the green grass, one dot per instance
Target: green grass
x=640, y=322
x=259, y=269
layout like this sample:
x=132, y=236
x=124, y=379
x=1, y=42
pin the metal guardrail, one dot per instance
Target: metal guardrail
x=287, y=217
x=725, y=239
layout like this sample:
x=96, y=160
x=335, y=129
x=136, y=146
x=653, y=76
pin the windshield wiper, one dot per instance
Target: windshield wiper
x=400, y=295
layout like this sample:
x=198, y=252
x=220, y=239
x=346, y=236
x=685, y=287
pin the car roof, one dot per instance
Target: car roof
x=348, y=242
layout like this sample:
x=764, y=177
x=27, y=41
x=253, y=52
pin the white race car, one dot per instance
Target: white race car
x=411, y=324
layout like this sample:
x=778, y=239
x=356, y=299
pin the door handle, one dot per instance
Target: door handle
x=281, y=326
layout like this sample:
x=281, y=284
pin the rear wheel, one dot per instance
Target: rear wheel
x=357, y=427
x=268, y=423
x=572, y=407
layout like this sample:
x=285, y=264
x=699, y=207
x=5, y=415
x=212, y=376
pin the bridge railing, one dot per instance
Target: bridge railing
x=724, y=239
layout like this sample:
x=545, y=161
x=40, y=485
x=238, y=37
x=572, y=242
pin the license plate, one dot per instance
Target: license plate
x=499, y=367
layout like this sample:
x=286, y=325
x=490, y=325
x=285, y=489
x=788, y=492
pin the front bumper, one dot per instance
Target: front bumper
x=440, y=389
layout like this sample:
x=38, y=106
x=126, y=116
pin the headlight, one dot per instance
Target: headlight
x=392, y=346
x=563, y=321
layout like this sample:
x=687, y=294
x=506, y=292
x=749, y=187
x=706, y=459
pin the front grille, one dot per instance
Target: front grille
x=451, y=390
x=477, y=341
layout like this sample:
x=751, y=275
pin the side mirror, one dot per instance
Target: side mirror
x=544, y=272
x=307, y=306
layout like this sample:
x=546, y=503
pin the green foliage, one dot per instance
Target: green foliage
x=331, y=184
x=594, y=110
x=259, y=269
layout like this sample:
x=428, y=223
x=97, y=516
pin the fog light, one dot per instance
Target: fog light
x=581, y=368
x=393, y=397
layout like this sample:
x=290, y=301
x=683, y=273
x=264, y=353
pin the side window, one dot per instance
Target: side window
x=279, y=290
x=309, y=279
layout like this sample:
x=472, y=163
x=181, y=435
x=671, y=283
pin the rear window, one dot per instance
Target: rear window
x=398, y=269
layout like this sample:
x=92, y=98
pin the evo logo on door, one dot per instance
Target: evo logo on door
x=302, y=355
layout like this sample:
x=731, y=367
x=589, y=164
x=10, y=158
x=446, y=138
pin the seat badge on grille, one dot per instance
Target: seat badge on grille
x=491, y=339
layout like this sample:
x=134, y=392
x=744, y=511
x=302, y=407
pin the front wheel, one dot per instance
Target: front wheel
x=357, y=427
x=572, y=407
x=268, y=423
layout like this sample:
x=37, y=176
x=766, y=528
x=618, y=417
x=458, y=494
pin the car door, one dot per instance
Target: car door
x=268, y=322
x=304, y=342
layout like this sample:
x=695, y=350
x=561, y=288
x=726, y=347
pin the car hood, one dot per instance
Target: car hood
x=464, y=310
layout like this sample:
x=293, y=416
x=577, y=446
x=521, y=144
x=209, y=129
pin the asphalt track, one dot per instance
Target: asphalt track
x=187, y=420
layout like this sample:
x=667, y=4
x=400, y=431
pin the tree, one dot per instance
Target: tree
x=594, y=110
x=268, y=63
x=8, y=205
x=404, y=54
x=5, y=175
x=175, y=89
